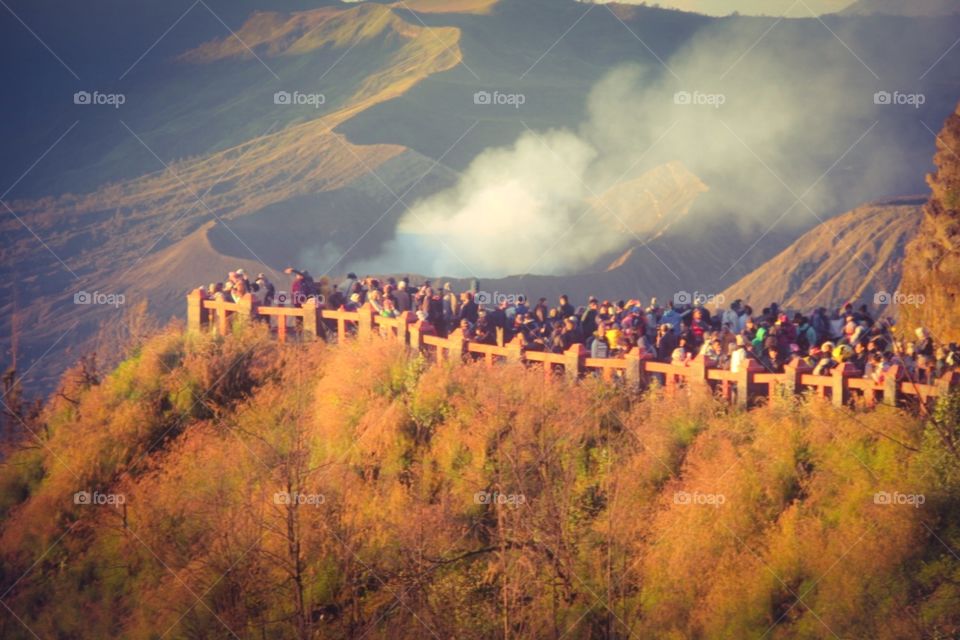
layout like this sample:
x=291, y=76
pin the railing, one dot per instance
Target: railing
x=634, y=369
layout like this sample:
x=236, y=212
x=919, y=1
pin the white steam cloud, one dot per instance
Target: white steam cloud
x=760, y=126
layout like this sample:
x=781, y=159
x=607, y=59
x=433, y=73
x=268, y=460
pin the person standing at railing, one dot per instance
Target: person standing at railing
x=681, y=354
x=599, y=347
x=924, y=342
x=772, y=360
x=826, y=364
x=666, y=342
x=468, y=310
x=466, y=330
x=239, y=290
x=698, y=327
x=588, y=321
x=301, y=287
x=434, y=309
x=712, y=351
x=485, y=332
x=426, y=327
x=741, y=354
x=451, y=307
x=402, y=295
x=266, y=291
x=389, y=309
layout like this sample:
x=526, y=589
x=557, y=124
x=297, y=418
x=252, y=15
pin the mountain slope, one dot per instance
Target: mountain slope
x=913, y=8
x=103, y=234
x=647, y=205
x=850, y=257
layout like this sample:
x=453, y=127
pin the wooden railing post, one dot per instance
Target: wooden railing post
x=223, y=324
x=196, y=314
x=745, y=380
x=946, y=383
x=403, y=327
x=416, y=338
x=840, y=389
x=573, y=361
x=515, y=352
x=246, y=308
x=311, y=319
x=793, y=372
x=698, y=371
x=633, y=371
x=365, y=322
x=457, y=345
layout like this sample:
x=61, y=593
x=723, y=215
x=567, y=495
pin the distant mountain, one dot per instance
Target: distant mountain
x=788, y=8
x=850, y=257
x=910, y=8
x=648, y=205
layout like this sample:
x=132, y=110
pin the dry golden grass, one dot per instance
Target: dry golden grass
x=656, y=517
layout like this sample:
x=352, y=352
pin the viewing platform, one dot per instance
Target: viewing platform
x=633, y=369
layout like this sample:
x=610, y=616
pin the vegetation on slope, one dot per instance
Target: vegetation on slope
x=931, y=271
x=460, y=501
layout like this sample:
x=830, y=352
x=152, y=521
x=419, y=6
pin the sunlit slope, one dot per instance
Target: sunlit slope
x=683, y=517
x=102, y=234
x=850, y=257
x=221, y=93
x=448, y=6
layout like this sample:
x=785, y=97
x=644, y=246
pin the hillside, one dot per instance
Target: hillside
x=121, y=227
x=851, y=257
x=460, y=502
x=917, y=8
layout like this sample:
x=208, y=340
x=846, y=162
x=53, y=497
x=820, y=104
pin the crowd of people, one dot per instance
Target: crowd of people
x=729, y=338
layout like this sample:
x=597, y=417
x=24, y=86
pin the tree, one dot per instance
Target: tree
x=931, y=271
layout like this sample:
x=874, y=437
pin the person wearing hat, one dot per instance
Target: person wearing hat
x=826, y=364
